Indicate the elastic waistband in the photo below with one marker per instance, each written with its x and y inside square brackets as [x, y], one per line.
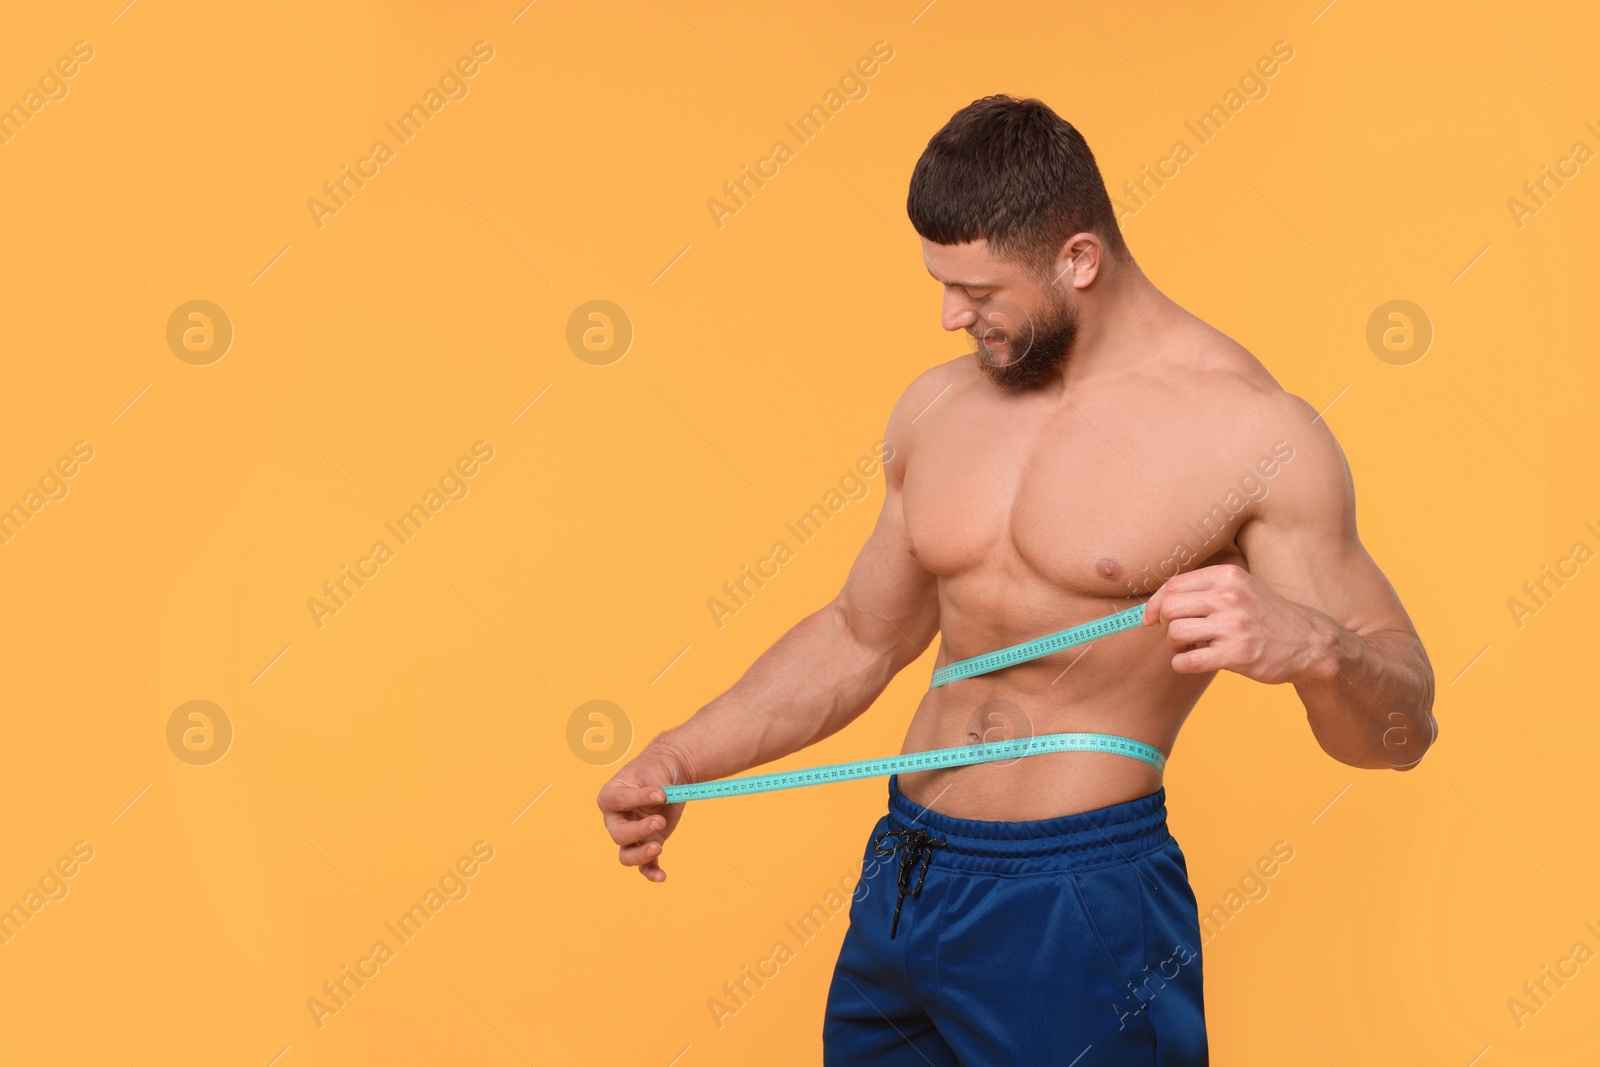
[1086, 839]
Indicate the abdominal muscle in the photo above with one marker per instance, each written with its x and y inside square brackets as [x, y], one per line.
[1120, 684]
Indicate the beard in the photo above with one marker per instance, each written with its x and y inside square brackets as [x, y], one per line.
[1031, 348]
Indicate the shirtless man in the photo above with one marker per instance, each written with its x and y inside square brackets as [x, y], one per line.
[1101, 447]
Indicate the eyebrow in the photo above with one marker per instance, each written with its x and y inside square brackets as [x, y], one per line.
[964, 285]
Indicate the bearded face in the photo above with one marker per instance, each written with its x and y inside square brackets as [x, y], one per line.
[1018, 351]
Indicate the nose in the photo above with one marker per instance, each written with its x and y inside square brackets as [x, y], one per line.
[957, 312]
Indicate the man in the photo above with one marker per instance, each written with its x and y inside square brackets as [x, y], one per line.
[1101, 446]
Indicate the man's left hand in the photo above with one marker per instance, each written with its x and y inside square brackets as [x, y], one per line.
[1225, 618]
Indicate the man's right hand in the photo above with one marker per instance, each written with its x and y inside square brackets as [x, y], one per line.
[636, 813]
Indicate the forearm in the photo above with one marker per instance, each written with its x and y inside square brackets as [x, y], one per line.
[1369, 698]
[812, 682]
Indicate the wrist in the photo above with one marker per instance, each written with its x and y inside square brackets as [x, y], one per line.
[680, 766]
[1331, 653]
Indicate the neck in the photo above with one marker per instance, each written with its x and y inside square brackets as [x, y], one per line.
[1122, 315]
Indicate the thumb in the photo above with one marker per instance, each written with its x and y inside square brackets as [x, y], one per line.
[1152, 608]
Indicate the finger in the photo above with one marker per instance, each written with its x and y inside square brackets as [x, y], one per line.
[1152, 608]
[626, 831]
[1185, 632]
[634, 855]
[1183, 582]
[622, 826]
[653, 871]
[1198, 579]
[1187, 605]
[1198, 661]
[620, 796]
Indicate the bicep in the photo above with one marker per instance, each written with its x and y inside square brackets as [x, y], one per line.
[1303, 543]
[889, 601]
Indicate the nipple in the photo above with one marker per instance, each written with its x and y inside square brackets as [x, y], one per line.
[1108, 567]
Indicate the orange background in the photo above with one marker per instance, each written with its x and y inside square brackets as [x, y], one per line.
[431, 712]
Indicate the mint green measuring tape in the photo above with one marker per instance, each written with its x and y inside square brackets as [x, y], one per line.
[1043, 646]
[963, 755]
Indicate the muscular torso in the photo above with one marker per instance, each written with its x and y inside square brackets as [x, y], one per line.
[1038, 511]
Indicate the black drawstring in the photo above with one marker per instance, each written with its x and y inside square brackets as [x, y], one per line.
[917, 845]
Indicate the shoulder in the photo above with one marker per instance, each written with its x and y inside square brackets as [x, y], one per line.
[934, 385]
[1315, 484]
[1229, 374]
[937, 386]
[1319, 489]
[1266, 425]
[1239, 385]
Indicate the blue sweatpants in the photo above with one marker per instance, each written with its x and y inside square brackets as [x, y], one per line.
[1071, 941]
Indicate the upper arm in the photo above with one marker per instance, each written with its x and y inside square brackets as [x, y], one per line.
[889, 600]
[1301, 539]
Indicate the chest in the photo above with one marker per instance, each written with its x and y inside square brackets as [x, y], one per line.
[1087, 503]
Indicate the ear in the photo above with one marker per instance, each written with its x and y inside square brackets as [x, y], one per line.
[1078, 262]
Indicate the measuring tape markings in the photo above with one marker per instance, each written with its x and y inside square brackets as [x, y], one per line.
[965, 754]
[920, 761]
[1043, 646]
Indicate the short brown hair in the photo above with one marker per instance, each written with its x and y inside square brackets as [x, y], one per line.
[1015, 174]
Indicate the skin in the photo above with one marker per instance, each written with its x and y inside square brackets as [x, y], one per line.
[1159, 461]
